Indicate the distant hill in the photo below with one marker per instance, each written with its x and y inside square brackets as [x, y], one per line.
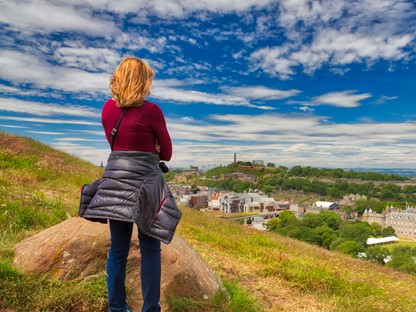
[262, 271]
[314, 172]
[403, 172]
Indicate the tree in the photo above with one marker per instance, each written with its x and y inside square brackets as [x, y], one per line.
[335, 243]
[355, 231]
[327, 234]
[312, 220]
[302, 233]
[403, 259]
[376, 229]
[287, 217]
[350, 247]
[332, 219]
[296, 171]
[388, 231]
[273, 224]
[271, 165]
[377, 254]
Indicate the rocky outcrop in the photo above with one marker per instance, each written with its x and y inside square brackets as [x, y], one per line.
[77, 249]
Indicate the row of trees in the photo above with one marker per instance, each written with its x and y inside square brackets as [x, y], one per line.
[307, 172]
[328, 230]
[386, 192]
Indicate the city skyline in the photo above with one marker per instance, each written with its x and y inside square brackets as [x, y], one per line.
[320, 84]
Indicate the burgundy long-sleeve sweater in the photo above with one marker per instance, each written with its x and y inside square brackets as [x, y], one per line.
[139, 130]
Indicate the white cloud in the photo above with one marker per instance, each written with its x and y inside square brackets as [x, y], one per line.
[384, 98]
[13, 126]
[341, 99]
[132, 41]
[183, 8]
[46, 132]
[191, 96]
[49, 17]
[23, 68]
[51, 121]
[41, 109]
[260, 92]
[91, 59]
[74, 139]
[338, 33]
[86, 152]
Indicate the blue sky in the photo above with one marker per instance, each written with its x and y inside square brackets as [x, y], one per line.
[294, 82]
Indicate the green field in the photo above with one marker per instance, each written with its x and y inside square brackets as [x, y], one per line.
[403, 242]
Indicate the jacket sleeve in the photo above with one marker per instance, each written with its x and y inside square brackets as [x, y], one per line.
[158, 212]
[87, 193]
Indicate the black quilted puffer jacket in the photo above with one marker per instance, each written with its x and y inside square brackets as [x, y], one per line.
[132, 189]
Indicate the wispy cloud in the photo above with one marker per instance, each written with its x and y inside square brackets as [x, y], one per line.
[192, 96]
[292, 140]
[260, 92]
[41, 109]
[23, 68]
[51, 121]
[46, 132]
[337, 33]
[46, 16]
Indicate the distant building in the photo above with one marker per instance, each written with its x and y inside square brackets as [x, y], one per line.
[185, 174]
[214, 203]
[326, 205]
[402, 221]
[350, 199]
[199, 200]
[232, 202]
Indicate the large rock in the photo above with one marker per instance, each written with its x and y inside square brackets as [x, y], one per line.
[77, 248]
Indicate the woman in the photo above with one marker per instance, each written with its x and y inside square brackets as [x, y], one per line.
[132, 189]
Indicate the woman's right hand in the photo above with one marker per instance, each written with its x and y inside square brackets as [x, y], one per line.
[157, 148]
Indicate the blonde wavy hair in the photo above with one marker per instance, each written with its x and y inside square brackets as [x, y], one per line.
[131, 82]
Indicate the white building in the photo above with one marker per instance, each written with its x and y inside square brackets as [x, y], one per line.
[372, 241]
[248, 202]
[214, 202]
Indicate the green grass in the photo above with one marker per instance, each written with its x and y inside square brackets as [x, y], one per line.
[411, 244]
[29, 292]
[231, 299]
[240, 301]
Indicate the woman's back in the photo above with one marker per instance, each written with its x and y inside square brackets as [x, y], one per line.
[141, 127]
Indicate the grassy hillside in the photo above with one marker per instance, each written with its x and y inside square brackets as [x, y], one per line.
[39, 187]
[262, 271]
[289, 275]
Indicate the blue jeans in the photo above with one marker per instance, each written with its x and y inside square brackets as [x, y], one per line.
[150, 269]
